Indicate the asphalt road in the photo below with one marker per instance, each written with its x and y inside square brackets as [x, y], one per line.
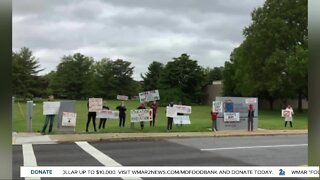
[288, 150]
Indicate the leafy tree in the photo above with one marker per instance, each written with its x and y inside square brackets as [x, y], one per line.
[183, 79]
[214, 74]
[263, 64]
[25, 68]
[151, 78]
[73, 78]
[114, 78]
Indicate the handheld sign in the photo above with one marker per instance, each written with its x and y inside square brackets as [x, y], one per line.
[122, 97]
[181, 120]
[148, 96]
[108, 114]
[50, 108]
[171, 112]
[183, 109]
[95, 104]
[138, 115]
[251, 100]
[286, 113]
[217, 106]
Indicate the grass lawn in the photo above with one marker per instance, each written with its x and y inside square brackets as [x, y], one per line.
[200, 119]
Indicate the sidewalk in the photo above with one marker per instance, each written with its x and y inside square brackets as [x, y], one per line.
[37, 138]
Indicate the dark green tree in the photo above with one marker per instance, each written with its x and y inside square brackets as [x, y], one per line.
[73, 78]
[151, 78]
[25, 69]
[262, 64]
[181, 80]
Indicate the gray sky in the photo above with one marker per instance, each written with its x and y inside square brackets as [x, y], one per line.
[139, 31]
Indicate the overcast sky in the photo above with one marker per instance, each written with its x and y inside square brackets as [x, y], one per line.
[139, 31]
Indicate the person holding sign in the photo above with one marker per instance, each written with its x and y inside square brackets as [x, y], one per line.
[122, 114]
[154, 107]
[142, 122]
[103, 120]
[288, 118]
[250, 117]
[214, 116]
[91, 115]
[170, 119]
[49, 118]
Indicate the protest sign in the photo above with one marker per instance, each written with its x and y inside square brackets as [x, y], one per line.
[217, 106]
[149, 96]
[122, 97]
[181, 120]
[251, 100]
[141, 115]
[50, 108]
[108, 114]
[228, 117]
[95, 104]
[183, 109]
[171, 112]
[286, 113]
[69, 119]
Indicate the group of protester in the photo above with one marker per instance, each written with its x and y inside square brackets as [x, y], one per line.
[214, 116]
[122, 115]
[153, 105]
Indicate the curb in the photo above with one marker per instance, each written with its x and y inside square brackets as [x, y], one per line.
[21, 138]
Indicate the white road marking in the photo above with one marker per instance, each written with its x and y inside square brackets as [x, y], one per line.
[253, 147]
[101, 157]
[29, 159]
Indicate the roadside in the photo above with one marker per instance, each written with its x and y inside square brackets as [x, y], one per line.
[37, 138]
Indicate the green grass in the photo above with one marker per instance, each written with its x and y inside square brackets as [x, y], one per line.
[200, 119]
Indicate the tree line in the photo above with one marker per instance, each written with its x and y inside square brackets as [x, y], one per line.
[78, 77]
[272, 61]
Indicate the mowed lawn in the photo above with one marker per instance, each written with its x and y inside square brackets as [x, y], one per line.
[200, 119]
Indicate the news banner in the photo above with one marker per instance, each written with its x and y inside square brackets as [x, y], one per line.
[170, 171]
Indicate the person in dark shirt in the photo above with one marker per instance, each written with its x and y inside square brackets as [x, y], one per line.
[122, 114]
[250, 117]
[91, 115]
[103, 120]
[154, 107]
[141, 122]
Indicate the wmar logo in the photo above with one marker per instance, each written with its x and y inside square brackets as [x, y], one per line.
[282, 172]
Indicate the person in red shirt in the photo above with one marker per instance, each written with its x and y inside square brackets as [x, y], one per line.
[154, 107]
[214, 116]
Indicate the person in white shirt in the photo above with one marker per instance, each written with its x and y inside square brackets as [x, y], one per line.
[288, 118]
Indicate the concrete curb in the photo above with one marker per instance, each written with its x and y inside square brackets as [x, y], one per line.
[36, 138]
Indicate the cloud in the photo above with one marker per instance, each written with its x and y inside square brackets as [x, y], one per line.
[139, 31]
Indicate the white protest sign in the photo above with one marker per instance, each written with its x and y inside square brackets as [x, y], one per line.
[149, 96]
[95, 104]
[122, 97]
[108, 114]
[251, 100]
[217, 106]
[51, 108]
[181, 120]
[141, 115]
[171, 112]
[69, 119]
[183, 109]
[231, 117]
[286, 113]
